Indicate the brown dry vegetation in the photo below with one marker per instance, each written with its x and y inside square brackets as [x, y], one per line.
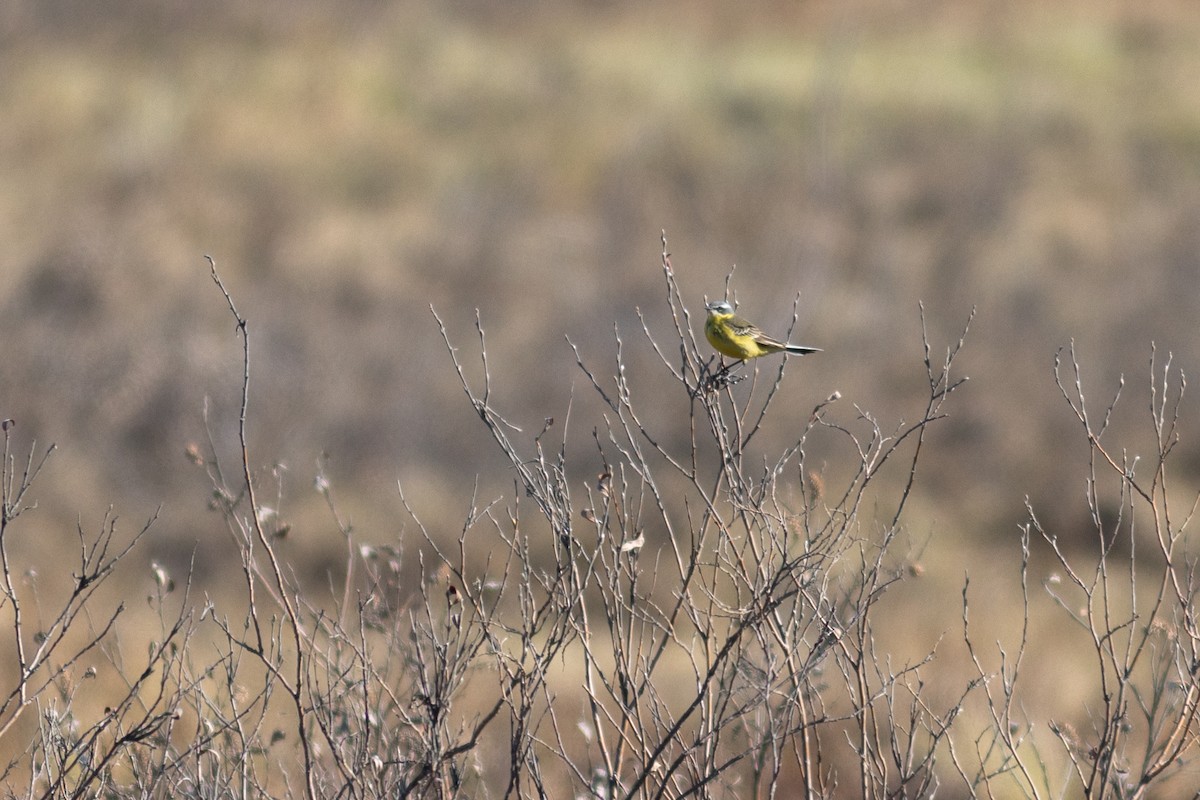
[348, 167]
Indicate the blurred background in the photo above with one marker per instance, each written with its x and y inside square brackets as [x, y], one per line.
[349, 165]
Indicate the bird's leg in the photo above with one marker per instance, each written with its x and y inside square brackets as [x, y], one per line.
[722, 376]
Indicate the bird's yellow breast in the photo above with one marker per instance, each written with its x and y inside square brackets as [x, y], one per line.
[726, 339]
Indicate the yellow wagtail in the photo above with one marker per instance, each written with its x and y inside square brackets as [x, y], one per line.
[733, 336]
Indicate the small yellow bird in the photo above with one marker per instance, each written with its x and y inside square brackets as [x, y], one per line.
[733, 336]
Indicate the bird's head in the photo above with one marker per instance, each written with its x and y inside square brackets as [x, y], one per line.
[719, 307]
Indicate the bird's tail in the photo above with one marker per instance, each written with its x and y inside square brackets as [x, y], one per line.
[800, 350]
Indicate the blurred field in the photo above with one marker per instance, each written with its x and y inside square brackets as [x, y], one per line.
[349, 166]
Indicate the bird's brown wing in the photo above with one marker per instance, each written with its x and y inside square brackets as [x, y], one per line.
[743, 327]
